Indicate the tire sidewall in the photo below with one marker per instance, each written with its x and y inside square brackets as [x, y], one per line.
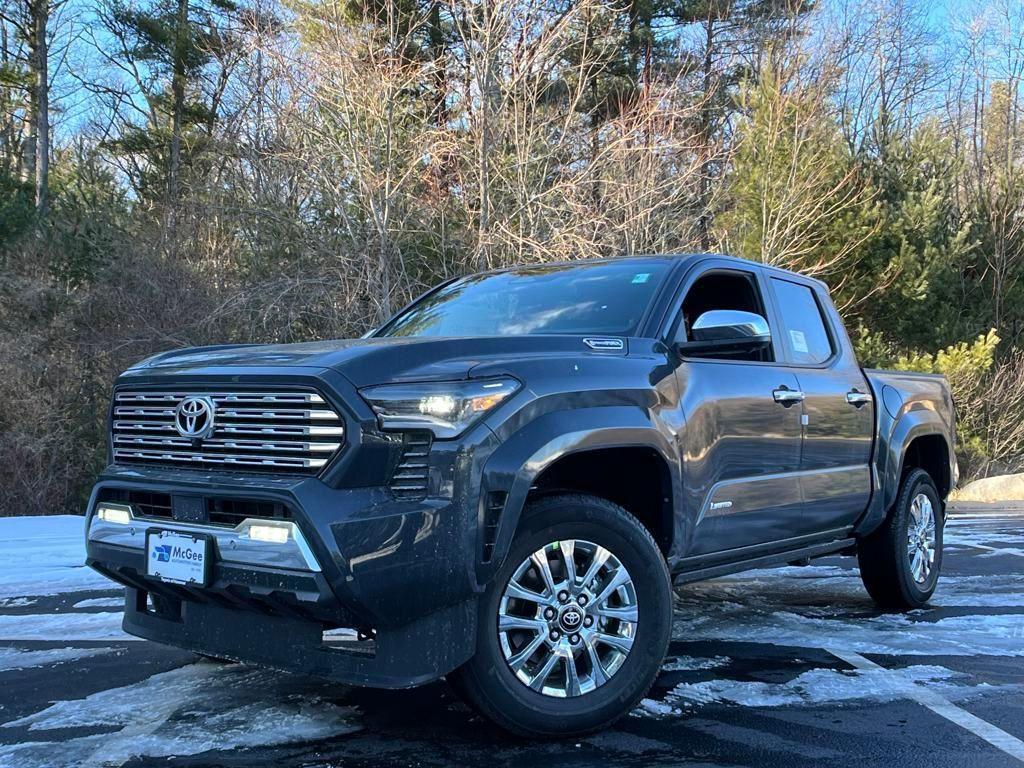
[621, 535]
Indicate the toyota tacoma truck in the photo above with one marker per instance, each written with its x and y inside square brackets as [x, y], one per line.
[502, 484]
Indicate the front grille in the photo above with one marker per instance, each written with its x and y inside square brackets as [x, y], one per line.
[279, 431]
[210, 510]
[145, 503]
[413, 470]
[233, 511]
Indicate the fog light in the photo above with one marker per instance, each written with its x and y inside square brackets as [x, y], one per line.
[274, 534]
[120, 515]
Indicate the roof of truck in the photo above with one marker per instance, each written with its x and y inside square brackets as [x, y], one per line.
[691, 257]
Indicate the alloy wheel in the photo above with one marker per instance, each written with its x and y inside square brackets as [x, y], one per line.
[568, 618]
[921, 538]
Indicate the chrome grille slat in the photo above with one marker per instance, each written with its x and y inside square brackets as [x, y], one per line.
[236, 413]
[286, 431]
[203, 458]
[227, 397]
[241, 444]
[233, 428]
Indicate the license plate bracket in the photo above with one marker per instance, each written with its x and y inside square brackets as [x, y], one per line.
[178, 557]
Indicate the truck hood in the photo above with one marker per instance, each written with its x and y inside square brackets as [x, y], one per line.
[365, 362]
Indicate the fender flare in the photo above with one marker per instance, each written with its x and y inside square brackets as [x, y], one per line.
[887, 469]
[523, 456]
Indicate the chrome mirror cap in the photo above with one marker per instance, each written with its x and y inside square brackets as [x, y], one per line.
[730, 324]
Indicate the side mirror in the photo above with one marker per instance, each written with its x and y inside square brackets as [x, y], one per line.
[727, 330]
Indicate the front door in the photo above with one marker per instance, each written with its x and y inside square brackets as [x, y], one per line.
[741, 442]
[741, 455]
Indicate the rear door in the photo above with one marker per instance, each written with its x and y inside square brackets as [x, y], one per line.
[838, 412]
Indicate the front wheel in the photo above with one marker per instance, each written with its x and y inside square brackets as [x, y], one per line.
[900, 562]
[574, 627]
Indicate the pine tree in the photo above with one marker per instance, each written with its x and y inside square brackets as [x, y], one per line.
[172, 42]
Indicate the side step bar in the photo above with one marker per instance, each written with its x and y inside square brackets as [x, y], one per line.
[814, 550]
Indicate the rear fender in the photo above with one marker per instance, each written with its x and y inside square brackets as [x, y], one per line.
[890, 451]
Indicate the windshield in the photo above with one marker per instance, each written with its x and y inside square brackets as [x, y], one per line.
[602, 297]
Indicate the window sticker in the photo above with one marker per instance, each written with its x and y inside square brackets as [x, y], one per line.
[641, 277]
[799, 341]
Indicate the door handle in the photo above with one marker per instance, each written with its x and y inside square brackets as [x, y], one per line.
[857, 399]
[787, 396]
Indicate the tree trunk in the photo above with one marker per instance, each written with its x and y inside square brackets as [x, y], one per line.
[40, 62]
[7, 143]
[703, 223]
[31, 125]
[178, 104]
[484, 149]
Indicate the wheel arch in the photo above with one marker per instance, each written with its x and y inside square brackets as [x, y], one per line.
[918, 439]
[929, 451]
[577, 451]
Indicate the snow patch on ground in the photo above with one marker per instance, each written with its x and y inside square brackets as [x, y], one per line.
[977, 635]
[1003, 551]
[827, 607]
[693, 663]
[68, 627]
[12, 658]
[970, 532]
[814, 688]
[186, 711]
[101, 602]
[827, 590]
[45, 556]
[16, 602]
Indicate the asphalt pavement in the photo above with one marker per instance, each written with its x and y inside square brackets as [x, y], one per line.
[789, 667]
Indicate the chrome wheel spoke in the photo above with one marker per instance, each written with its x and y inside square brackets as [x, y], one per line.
[520, 592]
[509, 623]
[597, 674]
[540, 559]
[598, 559]
[568, 550]
[618, 642]
[572, 676]
[516, 662]
[540, 677]
[916, 567]
[626, 613]
[620, 577]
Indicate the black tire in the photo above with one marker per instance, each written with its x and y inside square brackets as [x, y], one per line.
[486, 680]
[885, 565]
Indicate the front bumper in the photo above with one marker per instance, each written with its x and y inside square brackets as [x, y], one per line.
[398, 571]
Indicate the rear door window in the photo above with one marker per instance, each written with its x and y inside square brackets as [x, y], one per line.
[804, 334]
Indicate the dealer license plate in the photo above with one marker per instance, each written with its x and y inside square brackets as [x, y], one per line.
[180, 558]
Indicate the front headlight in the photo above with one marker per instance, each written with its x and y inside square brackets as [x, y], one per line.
[446, 408]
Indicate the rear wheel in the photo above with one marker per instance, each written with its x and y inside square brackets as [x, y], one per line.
[574, 628]
[900, 562]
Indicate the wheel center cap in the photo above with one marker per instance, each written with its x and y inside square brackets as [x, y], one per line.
[570, 618]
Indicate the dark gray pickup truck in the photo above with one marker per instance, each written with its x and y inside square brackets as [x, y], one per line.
[502, 483]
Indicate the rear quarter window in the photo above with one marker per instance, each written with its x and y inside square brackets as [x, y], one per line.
[804, 334]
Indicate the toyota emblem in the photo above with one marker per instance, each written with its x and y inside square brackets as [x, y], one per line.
[194, 417]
